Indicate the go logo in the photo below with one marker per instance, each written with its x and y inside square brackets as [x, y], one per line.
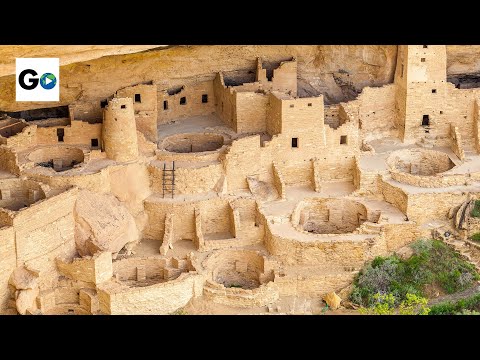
[31, 86]
[47, 80]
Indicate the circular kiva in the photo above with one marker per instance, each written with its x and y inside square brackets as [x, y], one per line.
[193, 143]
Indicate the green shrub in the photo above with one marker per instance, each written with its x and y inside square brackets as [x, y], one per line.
[433, 262]
[467, 312]
[385, 305]
[471, 303]
[476, 237]
[476, 209]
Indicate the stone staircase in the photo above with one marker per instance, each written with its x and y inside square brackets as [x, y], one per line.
[370, 228]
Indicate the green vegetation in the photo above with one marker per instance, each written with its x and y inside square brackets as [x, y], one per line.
[433, 263]
[476, 209]
[180, 311]
[385, 305]
[476, 237]
[470, 306]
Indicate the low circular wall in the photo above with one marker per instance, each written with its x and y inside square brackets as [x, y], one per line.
[423, 168]
[240, 278]
[60, 158]
[193, 142]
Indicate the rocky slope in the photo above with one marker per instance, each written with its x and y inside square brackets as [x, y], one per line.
[338, 71]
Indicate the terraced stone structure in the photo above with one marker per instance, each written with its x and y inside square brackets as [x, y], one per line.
[234, 193]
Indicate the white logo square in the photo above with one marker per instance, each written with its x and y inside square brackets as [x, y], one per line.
[37, 79]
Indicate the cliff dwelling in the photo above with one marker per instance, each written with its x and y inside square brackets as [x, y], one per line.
[243, 190]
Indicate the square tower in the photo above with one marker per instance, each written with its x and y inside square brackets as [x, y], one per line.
[421, 82]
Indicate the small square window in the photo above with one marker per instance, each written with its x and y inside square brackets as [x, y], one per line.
[138, 98]
[425, 120]
[294, 142]
[343, 140]
[165, 105]
[123, 106]
[94, 142]
[309, 104]
[425, 46]
[183, 100]
[434, 91]
[422, 59]
[103, 103]
[291, 105]
[441, 112]
[204, 98]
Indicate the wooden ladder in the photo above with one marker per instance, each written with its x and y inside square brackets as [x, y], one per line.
[168, 183]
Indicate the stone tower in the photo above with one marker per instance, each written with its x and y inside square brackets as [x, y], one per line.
[421, 90]
[119, 130]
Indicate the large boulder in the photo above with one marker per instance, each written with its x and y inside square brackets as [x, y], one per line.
[332, 300]
[102, 223]
[26, 288]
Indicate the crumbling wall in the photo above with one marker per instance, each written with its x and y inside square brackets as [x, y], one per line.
[145, 101]
[92, 269]
[274, 115]
[78, 132]
[186, 102]
[214, 215]
[188, 180]
[476, 127]
[225, 101]
[457, 147]
[284, 76]
[393, 195]
[16, 193]
[342, 250]
[423, 207]
[7, 263]
[24, 139]
[91, 112]
[9, 160]
[246, 158]
[45, 231]
[163, 298]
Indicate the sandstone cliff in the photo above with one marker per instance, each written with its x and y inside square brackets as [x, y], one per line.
[337, 71]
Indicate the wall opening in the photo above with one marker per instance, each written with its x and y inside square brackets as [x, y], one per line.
[422, 59]
[204, 98]
[426, 120]
[41, 114]
[294, 142]
[291, 105]
[138, 98]
[94, 143]
[165, 105]
[425, 46]
[183, 100]
[343, 140]
[401, 74]
[434, 91]
[60, 134]
[269, 74]
[123, 106]
[103, 103]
